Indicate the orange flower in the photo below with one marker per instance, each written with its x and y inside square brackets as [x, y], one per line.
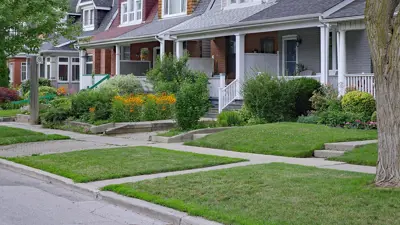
[92, 109]
[61, 91]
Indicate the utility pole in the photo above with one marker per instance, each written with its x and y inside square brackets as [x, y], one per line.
[34, 91]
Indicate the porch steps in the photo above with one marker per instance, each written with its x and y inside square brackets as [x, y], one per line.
[339, 148]
[213, 111]
[327, 153]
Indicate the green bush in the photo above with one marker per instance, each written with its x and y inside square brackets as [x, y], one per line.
[123, 85]
[269, 98]
[43, 91]
[57, 112]
[359, 102]
[313, 119]
[150, 110]
[303, 91]
[229, 119]
[245, 113]
[326, 98]
[25, 86]
[374, 117]
[99, 101]
[170, 73]
[192, 101]
[336, 118]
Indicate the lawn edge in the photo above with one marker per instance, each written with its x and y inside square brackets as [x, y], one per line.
[143, 207]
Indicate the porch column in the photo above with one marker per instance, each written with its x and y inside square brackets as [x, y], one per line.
[82, 68]
[117, 60]
[162, 48]
[334, 50]
[324, 54]
[342, 63]
[179, 49]
[239, 63]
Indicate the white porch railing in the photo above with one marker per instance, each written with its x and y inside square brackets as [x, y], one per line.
[227, 94]
[213, 86]
[361, 82]
[316, 77]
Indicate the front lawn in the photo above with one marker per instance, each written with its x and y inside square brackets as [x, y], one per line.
[285, 139]
[274, 193]
[9, 112]
[103, 164]
[366, 155]
[10, 135]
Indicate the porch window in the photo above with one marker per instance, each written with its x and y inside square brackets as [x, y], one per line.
[89, 64]
[290, 55]
[24, 71]
[75, 69]
[48, 68]
[267, 45]
[125, 53]
[174, 7]
[131, 12]
[88, 19]
[63, 63]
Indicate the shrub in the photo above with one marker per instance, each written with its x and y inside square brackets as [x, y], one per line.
[8, 95]
[229, 119]
[269, 98]
[374, 117]
[359, 102]
[303, 91]
[245, 113]
[57, 112]
[126, 108]
[326, 98]
[313, 119]
[170, 73]
[336, 118]
[123, 85]
[25, 86]
[192, 101]
[43, 91]
[84, 102]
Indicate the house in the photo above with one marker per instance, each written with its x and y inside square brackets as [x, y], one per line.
[232, 40]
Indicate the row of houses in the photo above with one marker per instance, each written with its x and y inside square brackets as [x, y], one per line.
[229, 40]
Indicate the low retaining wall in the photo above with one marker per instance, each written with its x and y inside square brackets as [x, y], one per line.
[22, 118]
[187, 136]
[137, 127]
[7, 119]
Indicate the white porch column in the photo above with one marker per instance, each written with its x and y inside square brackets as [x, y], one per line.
[117, 60]
[239, 47]
[162, 48]
[334, 50]
[342, 63]
[324, 54]
[179, 49]
[82, 68]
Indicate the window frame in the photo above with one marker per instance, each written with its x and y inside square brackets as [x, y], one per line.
[72, 69]
[90, 25]
[181, 13]
[130, 10]
[122, 51]
[89, 62]
[47, 73]
[26, 71]
[68, 69]
[284, 39]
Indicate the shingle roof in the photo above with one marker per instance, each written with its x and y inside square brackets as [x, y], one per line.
[48, 46]
[159, 25]
[103, 3]
[355, 8]
[286, 8]
[72, 6]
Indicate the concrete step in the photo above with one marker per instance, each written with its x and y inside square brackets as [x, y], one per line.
[348, 146]
[198, 136]
[327, 153]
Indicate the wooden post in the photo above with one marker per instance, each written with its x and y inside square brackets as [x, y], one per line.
[34, 91]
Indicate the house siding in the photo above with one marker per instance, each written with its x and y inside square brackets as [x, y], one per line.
[358, 52]
[309, 49]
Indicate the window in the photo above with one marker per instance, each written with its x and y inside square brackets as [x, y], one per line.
[41, 71]
[290, 55]
[63, 63]
[267, 45]
[174, 7]
[131, 12]
[75, 69]
[48, 69]
[24, 71]
[88, 19]
[89, 64]
[125, 53]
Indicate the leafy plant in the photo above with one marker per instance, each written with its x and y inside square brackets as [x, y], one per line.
[336, 118]
[25, 86]
[8, 95]
[313, 119]
[229, 119]
[359, 102]
[123, 85]
[43, 91]
[325, 98]
[57, 112]
[303, 91]
[374, 117]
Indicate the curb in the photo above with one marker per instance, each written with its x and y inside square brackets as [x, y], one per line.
[140, 206]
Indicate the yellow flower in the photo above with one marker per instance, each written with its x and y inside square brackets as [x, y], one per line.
[92, 109]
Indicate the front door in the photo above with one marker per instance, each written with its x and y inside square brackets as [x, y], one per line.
[290, 57]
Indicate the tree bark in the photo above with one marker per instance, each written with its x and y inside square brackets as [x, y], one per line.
[384, 38]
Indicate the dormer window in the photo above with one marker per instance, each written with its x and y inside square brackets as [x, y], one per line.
[88, 19]
[174, 7]
[241, 3]
[131, 12]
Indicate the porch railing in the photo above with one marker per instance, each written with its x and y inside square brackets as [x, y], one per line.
[361, 82]
[227, 94]
[316, 77]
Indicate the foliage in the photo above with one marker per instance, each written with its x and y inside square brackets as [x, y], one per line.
[192, 101]
[229, 119]
[303, 91]
[90, 105]
[43, 91]
[359, 102]
[325, 98]
[245, 113]
[9, 112]
[374, 117]
[126, 108]
[57, 112]
[336, 118]
[8, 95]
[170, 73]
[61, 91]
[4, 75]
[123, 85]
[269, 98]
[313, 119]
[26, 85]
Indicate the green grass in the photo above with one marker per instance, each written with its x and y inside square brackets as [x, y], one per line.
[10, 135]
[272, 194]
[171, 133]
[285, 139]
[9, 112]
[366, 155]
[102, 164]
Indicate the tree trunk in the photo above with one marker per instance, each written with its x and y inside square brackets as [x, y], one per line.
[383, 28]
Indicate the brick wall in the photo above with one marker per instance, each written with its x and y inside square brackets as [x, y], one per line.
[17, 70]
[253, 41]
[105, 61]
[169, 47]
[96, 60]
[218, 50]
